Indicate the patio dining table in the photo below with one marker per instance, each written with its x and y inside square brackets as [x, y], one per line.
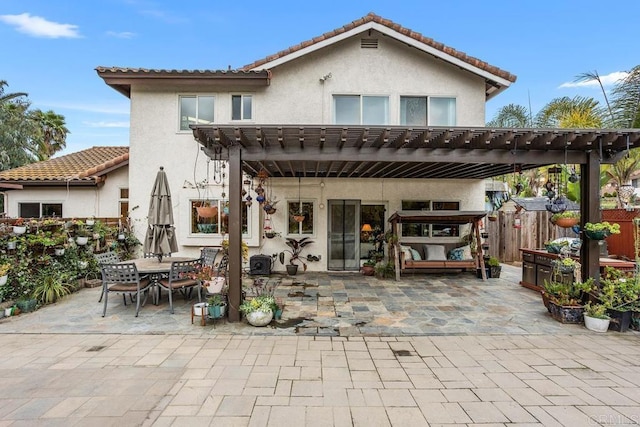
[155, 269]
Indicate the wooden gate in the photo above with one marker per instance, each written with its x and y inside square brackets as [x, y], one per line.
[505, 240]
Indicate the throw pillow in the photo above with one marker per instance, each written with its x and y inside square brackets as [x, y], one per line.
[406, 251]
[434, 253]
[466, 252]
[455, 254]
[415, 255]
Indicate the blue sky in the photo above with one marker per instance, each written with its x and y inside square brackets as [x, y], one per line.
[51, 48]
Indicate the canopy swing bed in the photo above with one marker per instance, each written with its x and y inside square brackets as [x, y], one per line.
[436, 256]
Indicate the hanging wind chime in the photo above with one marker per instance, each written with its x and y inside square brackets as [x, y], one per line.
[517, 220]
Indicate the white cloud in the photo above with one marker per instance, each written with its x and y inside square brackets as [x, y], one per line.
[107, 124]
[607, 80]
[105, 109]
[40, 27]
[121, 34]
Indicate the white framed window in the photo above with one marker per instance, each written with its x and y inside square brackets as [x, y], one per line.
[241, 107]
[360, 110]
[441, 111]
[301, 215]
[39, 210]
[429, 229]
[196, 109]
[214, 219]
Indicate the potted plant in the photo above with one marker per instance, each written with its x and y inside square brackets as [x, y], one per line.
[619, 291]
[82, 234]
[494, 267]
[564, 265]
[600, 230]
[209, 277]
[296, 246]
[555, 247]
[4, 273]
[493, 216]
[19, 227]
[566, 219]
[385, 270]
[368, 268]
[595, 317]
[259, 310]
[564, 299]
[216, 306]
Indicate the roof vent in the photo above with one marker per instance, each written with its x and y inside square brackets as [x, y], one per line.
[369, 43]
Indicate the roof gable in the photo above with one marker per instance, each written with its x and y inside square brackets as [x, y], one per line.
[81, 168]
[496, 79]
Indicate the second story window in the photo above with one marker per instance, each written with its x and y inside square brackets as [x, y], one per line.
[440, 111]
[241, 107]
[360, 110]
[196, 109]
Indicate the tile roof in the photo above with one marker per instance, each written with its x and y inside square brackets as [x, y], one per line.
[80, 167]
[371, 17]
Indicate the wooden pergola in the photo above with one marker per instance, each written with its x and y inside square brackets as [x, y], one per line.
[334, 151]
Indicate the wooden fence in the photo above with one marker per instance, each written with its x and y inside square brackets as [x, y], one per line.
[505, 241]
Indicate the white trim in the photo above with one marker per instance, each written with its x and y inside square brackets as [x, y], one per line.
[396, 35]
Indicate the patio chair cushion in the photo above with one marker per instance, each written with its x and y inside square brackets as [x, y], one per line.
[128, 287]
[177, 284]
[415, 255]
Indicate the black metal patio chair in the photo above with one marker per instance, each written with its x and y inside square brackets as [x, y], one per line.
[124, 279]
[179, 280]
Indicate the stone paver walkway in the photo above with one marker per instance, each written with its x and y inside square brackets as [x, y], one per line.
[351, 350]
[241, 380]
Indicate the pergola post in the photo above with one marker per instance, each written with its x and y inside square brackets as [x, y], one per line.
[235, 232]
[590, 212]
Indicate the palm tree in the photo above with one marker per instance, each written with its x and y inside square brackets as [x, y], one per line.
[626, 99]
[51, 135]
[6, 97]
[620, 173]
[512, 116]
[565, 112]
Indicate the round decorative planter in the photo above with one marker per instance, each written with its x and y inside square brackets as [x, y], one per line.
[259, 318]
[19, 229]
[199, 308]
[597, 235]
[59, 251]
[82, 240]
[566, 222]
[27, 305]
[91, 222]
[3, 279]
[214, 286]
[218, 311]
[367, 270]
[207, 211]
[595, 324]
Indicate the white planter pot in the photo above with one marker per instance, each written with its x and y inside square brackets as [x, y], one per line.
[11, 245]
[8, 311]
[595, 324]
[215, 285]
[3, 279]
[199, 308]
[81, 240]
[259, 318]
[90, 222]
[59, 251]
[120, 236]
[19, 229]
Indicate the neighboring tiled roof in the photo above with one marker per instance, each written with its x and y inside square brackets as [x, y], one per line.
[82, 166]
[152, 72]
[540, 203]
[371, 17]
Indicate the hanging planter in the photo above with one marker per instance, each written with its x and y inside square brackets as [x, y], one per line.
[207, 211]
[19, 229]
[566, 219]
[298, 218]
[600, 230]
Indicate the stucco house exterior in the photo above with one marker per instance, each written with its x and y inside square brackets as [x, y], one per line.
[371, 72]
[91, 182]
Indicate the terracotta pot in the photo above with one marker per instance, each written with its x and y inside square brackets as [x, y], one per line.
[207, 211]
[566, 222]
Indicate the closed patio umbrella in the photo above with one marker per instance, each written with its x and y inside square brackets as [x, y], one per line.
[161, 238]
